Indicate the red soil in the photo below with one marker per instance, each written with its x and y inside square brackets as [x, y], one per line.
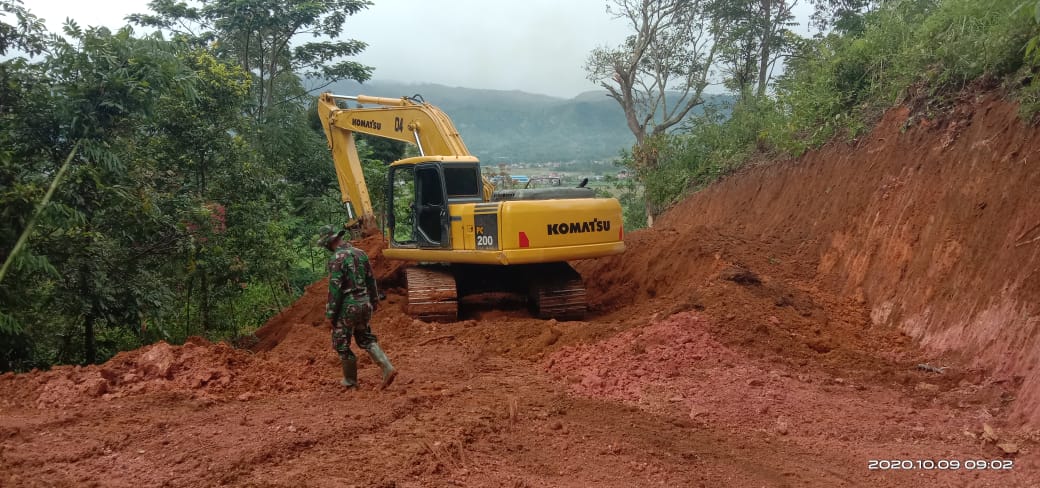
[767, 332]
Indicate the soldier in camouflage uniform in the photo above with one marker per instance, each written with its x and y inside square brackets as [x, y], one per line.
[353, 299]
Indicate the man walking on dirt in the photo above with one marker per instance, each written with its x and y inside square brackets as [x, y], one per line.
[353, 299]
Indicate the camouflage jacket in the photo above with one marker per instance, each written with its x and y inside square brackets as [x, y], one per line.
[351, 280]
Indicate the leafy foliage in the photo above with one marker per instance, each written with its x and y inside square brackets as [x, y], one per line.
[843, 16]
[24, 34]
[909, 49]
[259, 36]
[753, 36]
[151, 200]
[918, 51]
[101, 85]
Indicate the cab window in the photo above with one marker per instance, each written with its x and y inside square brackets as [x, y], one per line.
[462, 180]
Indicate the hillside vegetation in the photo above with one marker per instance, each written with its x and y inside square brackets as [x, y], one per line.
[924, 53]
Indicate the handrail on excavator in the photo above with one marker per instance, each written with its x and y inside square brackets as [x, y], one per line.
[393, 102]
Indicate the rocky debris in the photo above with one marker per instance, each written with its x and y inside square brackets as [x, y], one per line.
[926, 387]
[157, 361]
[989, 434]
[1008, 447]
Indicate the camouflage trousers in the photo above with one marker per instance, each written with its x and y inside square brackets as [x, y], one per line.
[353, 321]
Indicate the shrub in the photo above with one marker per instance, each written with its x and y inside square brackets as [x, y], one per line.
[838, 85]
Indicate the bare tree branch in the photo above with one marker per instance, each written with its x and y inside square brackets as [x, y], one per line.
[659, 73]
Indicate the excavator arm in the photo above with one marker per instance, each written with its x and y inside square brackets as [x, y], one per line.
[402, 119]
[467, 237]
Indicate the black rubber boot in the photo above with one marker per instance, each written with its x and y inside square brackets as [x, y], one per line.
[349, 373]
[389, 373]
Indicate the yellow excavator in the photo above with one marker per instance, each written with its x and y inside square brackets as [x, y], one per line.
[466, 237]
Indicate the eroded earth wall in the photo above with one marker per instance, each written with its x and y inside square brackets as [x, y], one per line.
[933, 225]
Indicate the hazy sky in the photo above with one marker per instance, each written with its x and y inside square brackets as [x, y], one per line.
[537, 46]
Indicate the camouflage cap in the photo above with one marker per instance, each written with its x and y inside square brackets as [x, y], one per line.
[327, 234]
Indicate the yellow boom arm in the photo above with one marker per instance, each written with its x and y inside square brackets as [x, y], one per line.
[401, 119]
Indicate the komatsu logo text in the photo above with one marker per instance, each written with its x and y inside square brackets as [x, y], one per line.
[594, 225]
[368, 124]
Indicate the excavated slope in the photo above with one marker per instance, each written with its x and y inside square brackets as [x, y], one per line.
[932, 225]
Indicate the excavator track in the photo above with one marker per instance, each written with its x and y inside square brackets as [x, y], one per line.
[432, 296]
[559, 294]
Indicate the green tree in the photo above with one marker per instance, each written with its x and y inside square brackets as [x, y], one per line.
[658, 75]
[196, 143]
[22, 186]
[754, 35]
[73, 136]
[163, 204]
[843, 16]
[260, 36]
[20, 29]
[263, 37]
[384, 150]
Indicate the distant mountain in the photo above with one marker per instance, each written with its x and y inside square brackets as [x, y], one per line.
[513, 126]
[592, 96]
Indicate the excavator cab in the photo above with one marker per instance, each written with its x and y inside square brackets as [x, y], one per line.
[422, 192]
[431, 207]
[420, 211]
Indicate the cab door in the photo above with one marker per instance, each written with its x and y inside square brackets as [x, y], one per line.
[432, 221]
[400, 204]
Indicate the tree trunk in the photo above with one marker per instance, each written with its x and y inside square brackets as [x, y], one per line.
[89, 318]
[763, 58]
[86, 274]
[232, 319]
[646, 202]
[646, 159]
[89, 343]
[204, 282]
[273, 285]
[187, 306]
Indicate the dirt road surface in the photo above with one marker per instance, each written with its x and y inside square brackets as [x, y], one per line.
[723, 349]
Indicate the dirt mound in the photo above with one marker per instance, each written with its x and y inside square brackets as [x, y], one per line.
[926, 227]
[626, 365]
[310, 308]
[198, 368]
[388, 273]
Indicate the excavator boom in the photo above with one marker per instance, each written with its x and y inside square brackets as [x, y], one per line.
[401, 119]
[441, 209]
